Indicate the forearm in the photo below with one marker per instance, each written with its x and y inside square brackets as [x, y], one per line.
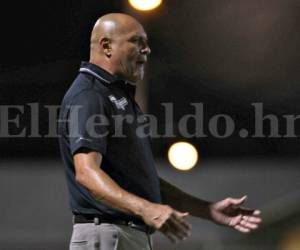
[182, 201]
[106, 190]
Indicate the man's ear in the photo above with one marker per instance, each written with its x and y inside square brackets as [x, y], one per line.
[105, 44]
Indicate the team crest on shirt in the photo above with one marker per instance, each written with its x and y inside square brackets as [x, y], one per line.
[120, 104]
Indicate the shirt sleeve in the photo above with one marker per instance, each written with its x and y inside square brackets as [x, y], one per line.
[88, 122]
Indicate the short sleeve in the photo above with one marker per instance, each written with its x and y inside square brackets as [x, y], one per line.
[88, 122]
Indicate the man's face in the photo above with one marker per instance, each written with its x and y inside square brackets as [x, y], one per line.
[129, 54]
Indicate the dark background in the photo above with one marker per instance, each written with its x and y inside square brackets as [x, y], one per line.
[225, 54]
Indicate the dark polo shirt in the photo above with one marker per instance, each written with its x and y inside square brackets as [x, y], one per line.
[99, 113]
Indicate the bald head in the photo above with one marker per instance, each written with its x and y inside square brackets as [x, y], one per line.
[112, 26]
[118, 40]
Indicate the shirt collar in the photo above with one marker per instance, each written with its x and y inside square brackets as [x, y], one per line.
[106, 77]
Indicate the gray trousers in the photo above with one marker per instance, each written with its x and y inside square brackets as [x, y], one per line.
[89, 236]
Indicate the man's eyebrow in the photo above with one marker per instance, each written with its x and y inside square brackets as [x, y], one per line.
[145, 38]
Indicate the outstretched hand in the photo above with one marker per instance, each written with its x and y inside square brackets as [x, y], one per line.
[229, 212]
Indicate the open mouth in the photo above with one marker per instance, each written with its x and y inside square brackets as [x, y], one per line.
[141, 62]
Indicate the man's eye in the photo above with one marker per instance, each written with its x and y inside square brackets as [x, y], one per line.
[135, 40]
[139, 41]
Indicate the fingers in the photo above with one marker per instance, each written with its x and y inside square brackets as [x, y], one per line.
[242, 229]
[182, 226]
[235, 221]
[245, 227]
[256, 212]
[178, 230]
[229, 212]
[166, 230]
[238, 202]
[175, 228]
[248, 211]
[229, 203]
[180, 217]
[252, 219]
[172, 233]
[246, 223]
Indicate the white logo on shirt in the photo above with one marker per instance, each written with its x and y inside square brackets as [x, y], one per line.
[84, 139]
[120, 104]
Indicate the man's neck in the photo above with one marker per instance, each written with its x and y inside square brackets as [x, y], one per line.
[102, 64]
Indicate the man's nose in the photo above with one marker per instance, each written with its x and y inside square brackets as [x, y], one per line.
[146, 50]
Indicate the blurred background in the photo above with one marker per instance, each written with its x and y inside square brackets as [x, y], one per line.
[225, 54]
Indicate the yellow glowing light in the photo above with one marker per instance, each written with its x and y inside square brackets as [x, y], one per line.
[183, 155]
[291, 240]
[145, 4]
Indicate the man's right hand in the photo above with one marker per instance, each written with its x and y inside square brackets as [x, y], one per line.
[167, 220]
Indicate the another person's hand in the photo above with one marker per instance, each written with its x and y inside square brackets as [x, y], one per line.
[168, 221]
[229, 212]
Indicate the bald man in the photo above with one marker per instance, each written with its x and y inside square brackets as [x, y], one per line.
[116, 195]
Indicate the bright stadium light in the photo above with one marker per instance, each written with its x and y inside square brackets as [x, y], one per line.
[291, 240]
[145, 5]
[183, 156]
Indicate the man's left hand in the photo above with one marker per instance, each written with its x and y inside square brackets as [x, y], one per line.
[229, 212]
